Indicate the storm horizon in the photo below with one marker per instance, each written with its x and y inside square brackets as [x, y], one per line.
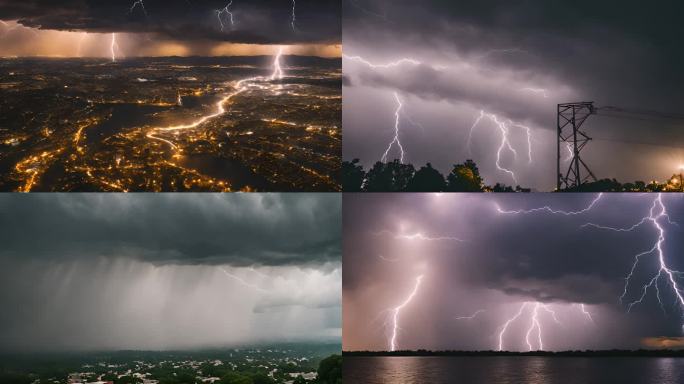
[169, 272]
[533, 272]
[440, 82]
[86, 29]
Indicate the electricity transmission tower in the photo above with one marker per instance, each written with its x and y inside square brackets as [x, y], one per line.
[571, 116]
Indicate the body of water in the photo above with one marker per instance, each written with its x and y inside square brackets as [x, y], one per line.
[513, 370]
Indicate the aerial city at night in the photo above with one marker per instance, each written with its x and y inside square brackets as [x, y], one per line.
[221, 102]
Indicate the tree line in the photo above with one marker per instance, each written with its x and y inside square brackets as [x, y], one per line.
[396, 176]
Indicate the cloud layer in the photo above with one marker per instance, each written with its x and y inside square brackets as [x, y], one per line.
[518, 61]
[257, 22]
[500, 261]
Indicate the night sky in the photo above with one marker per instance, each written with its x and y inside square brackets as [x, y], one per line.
[177, 27]
[84, 272]
[479, 257]
[515, 60]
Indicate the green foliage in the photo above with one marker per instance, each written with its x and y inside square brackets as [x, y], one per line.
[15, 378]
[236, 378]
[330, 370]
[127, 380]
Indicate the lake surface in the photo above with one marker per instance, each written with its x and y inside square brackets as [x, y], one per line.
[513, 370]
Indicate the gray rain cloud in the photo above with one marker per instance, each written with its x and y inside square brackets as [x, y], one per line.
[104, 271]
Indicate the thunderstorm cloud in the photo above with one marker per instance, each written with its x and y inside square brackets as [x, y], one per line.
[101, 271]
[516, 60]
[476, 258]
[255, 22]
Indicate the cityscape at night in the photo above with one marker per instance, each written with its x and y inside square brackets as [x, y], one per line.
[220, 108]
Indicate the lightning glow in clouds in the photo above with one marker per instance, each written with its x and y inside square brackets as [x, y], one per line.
[511, 272]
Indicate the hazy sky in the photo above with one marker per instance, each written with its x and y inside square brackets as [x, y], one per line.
[517, 61]
[164, 28]
[477, 260]
[107, 271]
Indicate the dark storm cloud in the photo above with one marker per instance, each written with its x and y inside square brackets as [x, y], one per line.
[240, 230]
[259, 22]
[492, 55]
[504, 259]
[617, 51]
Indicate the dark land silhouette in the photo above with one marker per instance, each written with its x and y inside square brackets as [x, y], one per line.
[585, 353]
[395, 176]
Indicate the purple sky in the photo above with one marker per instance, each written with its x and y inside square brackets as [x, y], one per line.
[515, 62]
[474, 259]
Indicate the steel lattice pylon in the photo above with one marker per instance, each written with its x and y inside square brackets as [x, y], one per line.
[571, 116]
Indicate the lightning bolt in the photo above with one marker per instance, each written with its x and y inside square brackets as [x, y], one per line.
[397, 113]
[136, 4]
[391, 64]
[658, 217]
[294, 16]
[471, 317]
[535, 326]
[508, 322]
[225, 10]
[114, 47]
[553, 211]
[504, 129]
[418, 236]
[503, 125]
[242, 281]
[277, 69]
[397, 310]
[585, 312]
[540, 91]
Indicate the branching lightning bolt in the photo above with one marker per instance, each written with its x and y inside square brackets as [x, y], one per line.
[658, 217]
[586, 313]
[553, 211]
[136, 4]
[540, 91]
[397, 114]
[277, 69]
[504, 129]
[220, 15]
[397, 310]
[418, 236]
[391, 64]
[114, 47]
[242, 281]
[294, 16]
[471, 317]
[508, 322]
[535, 326]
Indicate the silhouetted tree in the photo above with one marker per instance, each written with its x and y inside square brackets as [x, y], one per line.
[330, 370]
[465, 178]
[352, 176]
[502, 188]
[389, 177]
[427, 179]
